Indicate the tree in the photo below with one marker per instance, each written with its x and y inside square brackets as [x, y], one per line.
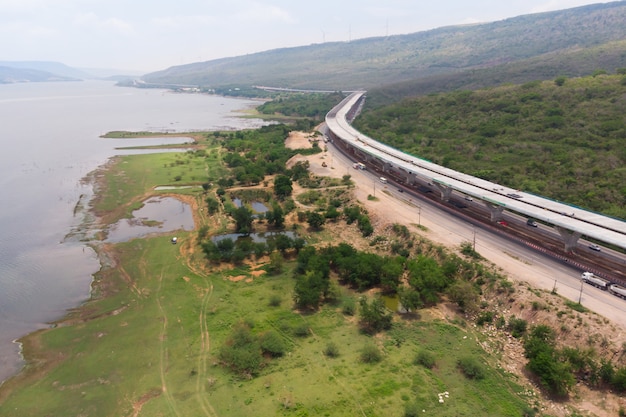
[309, 289]
[315, 220]
[243, 219]
[374, 316]
[283, 242]
[242, 351]
[410, 299]
[282, 186]
[275, 216]
[276, 263]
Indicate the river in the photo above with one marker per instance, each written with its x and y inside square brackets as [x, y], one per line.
[50, 137]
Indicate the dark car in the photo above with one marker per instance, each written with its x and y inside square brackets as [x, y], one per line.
[531, 223]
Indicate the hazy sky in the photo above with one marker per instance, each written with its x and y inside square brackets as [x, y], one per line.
[148, 35]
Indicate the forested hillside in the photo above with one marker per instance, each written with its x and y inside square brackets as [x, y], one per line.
[454, 53]
[564, 138]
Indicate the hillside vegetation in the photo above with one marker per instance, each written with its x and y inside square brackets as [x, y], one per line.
[562, 139]
[456, 51]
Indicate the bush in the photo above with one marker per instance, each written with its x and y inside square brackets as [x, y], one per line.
[301, 330]
[412, 410]
[370, 354]
[273, 344]
[425, 358]
[275, 300]
[349, 306]
[485, 317]
[471, 368]
[332, 350]
[517, 327]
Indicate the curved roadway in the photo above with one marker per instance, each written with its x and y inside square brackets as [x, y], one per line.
[569, 218]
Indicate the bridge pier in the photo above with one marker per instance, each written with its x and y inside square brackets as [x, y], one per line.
[570, 238]
[446, 192]
[494, 211]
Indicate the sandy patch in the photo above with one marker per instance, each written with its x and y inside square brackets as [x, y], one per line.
[237, 278]
[300, 140]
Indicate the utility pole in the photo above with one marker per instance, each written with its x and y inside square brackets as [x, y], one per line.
[474, 240]
[419, 216]
[580, 297]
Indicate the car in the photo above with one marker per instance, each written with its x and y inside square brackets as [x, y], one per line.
[512, 195]
[595, 247]
[502, 223]
[531, 223]
[468, 198]
[400, 190]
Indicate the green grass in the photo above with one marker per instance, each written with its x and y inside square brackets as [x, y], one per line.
[112, 362]
[151, 345]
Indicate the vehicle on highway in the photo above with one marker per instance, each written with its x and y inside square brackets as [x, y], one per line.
[531, 223]
[595, 247]
[400, 190]
[383, 180]
[596, 281]
[503, 223]
[468, 198]
[617, 290]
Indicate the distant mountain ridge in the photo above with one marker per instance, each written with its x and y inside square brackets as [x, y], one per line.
[10, 75]
[371, 62]
[46, 71]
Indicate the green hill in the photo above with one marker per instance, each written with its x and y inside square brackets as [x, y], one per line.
[563, 138]
[529, 46]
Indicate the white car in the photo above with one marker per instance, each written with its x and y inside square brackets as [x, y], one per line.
[595, 247]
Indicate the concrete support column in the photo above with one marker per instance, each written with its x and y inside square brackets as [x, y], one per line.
[495, 211]
[386, 166]
[446, 192]
[569, 238]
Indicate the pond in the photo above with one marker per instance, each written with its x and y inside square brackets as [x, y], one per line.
[158, 215]
[257, 206]
[255, 237]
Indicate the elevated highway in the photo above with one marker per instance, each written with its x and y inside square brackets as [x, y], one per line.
[571, 222]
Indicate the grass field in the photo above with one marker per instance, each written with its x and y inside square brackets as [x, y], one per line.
[148, 342]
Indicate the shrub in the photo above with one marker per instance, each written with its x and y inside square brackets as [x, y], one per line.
[485, 317]
[275, 300]
[412, 410]
[273, 344]
[425, 358]
[301, 330]
[331, 350]
[517, 327]
[471, 368]
[370, 354]
[349, 306]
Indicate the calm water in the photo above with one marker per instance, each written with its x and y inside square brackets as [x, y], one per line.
[49, 134]
[169, 214]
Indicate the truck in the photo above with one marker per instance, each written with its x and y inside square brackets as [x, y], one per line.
[617, 290]
[596, 281]
[358, 165]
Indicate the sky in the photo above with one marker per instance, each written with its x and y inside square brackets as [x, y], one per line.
[151, 35]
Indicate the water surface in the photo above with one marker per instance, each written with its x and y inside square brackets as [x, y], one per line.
[50, 137]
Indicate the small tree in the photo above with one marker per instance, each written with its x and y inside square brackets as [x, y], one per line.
[243, 219]
[282, 186]
[315, 220]
[374, 316]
